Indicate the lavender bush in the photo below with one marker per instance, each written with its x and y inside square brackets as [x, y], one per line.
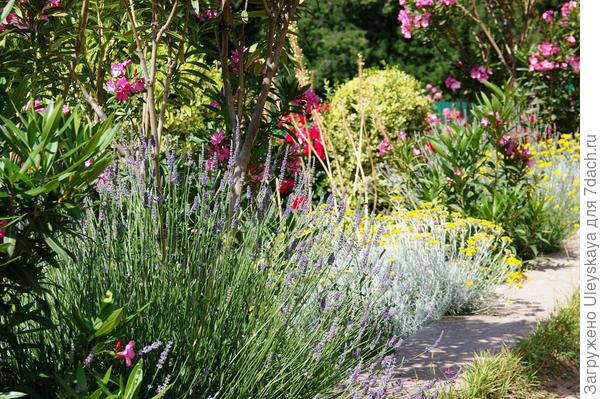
[244, 293]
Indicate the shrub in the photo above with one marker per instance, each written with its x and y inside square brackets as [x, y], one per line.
[451, 260]
[238, 293]
[50, 156]
[487, 169]
[371, 107]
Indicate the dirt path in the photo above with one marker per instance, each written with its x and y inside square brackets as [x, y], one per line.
[514, 316]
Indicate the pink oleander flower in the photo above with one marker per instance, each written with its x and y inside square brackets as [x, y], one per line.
[481, 73]
[438, 96]
[110, 86]
[118, 69]
[384, 147]
[548, 16]
[565, 9]
[215, 104]
[128, 354]
[485, 122]
[401, 135]
[451, 114]
[432, 118]
[217, 137]
[138, 85]
[571, 40]
[422, 20]
[406, 23]
[452, 83]
[416, 152]
[423, 3]
[53, 3]
[448, 2]
[65, 109]
[574, 62]
[88, 163]
[457, 172]
[548, 49]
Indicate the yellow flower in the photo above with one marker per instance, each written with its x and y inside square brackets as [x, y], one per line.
[512, 261]
[469, 283]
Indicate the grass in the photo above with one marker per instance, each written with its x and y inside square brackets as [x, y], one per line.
[550, 353]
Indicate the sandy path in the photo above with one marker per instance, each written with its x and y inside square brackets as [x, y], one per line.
[515, 315]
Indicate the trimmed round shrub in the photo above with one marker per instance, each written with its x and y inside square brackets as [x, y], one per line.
[389, 101]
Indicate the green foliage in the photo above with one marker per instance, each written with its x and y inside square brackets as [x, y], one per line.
[333, 33]
[43, 178]
[367, 109]
[494, 376]
[484, 170]
[553, 348]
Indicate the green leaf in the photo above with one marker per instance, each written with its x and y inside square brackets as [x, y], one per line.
[110, 323]
[134, 381]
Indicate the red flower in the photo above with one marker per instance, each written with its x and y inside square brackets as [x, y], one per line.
[298, 202]
[286, 185]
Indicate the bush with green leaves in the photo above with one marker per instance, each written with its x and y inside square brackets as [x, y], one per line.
[372, 107]
[485, 169]
[49, 160]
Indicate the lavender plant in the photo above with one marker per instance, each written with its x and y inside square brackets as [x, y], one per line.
[239, 293]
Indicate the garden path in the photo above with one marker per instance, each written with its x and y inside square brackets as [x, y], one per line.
[515, 315]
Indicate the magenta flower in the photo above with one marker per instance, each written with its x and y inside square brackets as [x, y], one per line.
[384, 147]
[110, 86]
[432, 118]
[128, 354]
[548, 16]
[574, 61]
[65, 109]
[423, 3]
[53, 3]
[481, 73]
[118, 69]
[406, 23]
[452, 83]
[401, 135]
[571, 40]
[566, 8]
[217, 137]
[448, 2]
[548, 49]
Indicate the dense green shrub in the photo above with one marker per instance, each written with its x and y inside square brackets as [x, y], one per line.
[369, 109]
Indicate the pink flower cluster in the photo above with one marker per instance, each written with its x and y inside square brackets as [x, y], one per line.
[542, 61]
[566, 8]
[122, 86]
[420, 17]
[452, 83]
[12, 19]
[208, 14]
[481, 73]
[452, 115]
[218, 149]
[38, 106]
[435, 94]
[128, 353]
[310, 101]
[511, 149]
[384, 147]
